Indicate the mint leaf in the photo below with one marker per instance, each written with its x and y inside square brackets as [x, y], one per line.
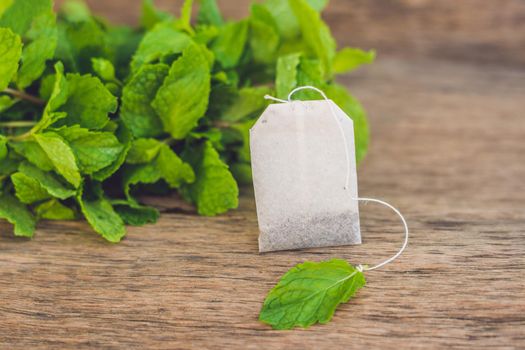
[94, 150]
[229, 45]
[264, 34]
[214, 190]
[35, 154]
[54, 210]
[88, 102]
[135, 214]
[102, 217]
[350, 58]
[27, 189]
[3, 147]
[310, 293]
[43, 36]
[143, 151]
[183, 97]
[17, 214]
[124, 137]
[60, 155]
[103, 68]
[21, 13]
[50, 182]
[209, 13]
[136, 110]
[185, 17]
[286, 76]
[249, 101]
[151, 15]
[10, 52]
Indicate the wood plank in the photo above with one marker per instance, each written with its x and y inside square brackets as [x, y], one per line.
[447, 149]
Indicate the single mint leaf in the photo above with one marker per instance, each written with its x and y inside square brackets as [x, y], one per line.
[286, 75]
[160, 42]
[249, 101]
[17, 214]
[136, 110]
[350, 58]
[94, 150]
[151, 16]
[102, 217]
[315, 33]
[135, 214]
[285, 19]
[183, 97]
[185, 17]
[35, 154]
[10, 53]
[264, 35]
[214, 190]
[143, 151]
[43, 36]
[21, 13]
[27, 189]
[61, 155]
[209, 13]
[88, 102]
[229, 45]
[103, 68]
[173, 169]
[47, 180]
[310, 293]
[54, 210]
[124, 137]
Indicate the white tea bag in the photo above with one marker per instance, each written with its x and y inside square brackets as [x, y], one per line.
[302, 158]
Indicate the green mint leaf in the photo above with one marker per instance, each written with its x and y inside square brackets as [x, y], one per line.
[18, 215]
[310, 293]
[21, 13]
[151, 16]
[54, 210]
[214, 190]
[43, 36]
[75, 11]
[3, 147]
[61, 155]
[173, 169]
[88, 102]
[10, 53]
[185, 17]
[136, 110]
[160, 42]
[102, 217]
[315, 33]
[35, 154]
[183, 97]
[350, 58]
[135, 214]
[103, 68]
[209, 13]
[124, 137]
[94, 150]
[351, 106]
[27, 189]
[4, 5]
[249, 101]
[286, 75]
[264, 35]
[47, 180]
[229, 45]
[143, 151]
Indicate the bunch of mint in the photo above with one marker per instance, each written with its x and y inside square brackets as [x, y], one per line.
[92, 114]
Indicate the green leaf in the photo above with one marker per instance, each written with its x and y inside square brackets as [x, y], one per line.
[183, 97]
[214, 190]
[94, 150]
[249, 101]
[315, 33]
[209, 13]
[6, 102]
[151, 16]
[160, 42]
[21, 13]
[229, 45]
[18, 215]
[102, 217]
[286, 76]
[10, 53]
[135, 214]
[54, 210]
[310, 293]
[351, 106]
[143, 151]
[88, 102]
[124, 137]
[43, 36]
[27, 189]
[103, 68]
[136, 110]
[350, 58]
[3, 147]
[264, 34]
[35, 154]
[61, 155]
[47, 180]
[185, 17]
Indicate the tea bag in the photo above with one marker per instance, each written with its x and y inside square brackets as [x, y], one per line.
[304, 176]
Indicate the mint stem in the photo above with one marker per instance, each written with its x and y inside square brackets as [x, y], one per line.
[24, 96]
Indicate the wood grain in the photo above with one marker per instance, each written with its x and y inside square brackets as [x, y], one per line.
[447, 150]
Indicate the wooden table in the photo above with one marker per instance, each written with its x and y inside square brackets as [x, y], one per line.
[448, 148]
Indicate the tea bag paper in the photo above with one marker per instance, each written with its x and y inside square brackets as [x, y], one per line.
[299, 170]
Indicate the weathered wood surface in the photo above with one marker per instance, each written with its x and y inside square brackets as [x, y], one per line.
[448, 149]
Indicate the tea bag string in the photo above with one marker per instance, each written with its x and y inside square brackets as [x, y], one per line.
[359, 267]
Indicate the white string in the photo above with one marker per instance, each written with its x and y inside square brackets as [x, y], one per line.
[359, 267]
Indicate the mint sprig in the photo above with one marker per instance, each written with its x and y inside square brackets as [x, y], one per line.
[93, 115]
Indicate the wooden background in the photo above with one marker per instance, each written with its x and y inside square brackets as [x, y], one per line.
[446, 104]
